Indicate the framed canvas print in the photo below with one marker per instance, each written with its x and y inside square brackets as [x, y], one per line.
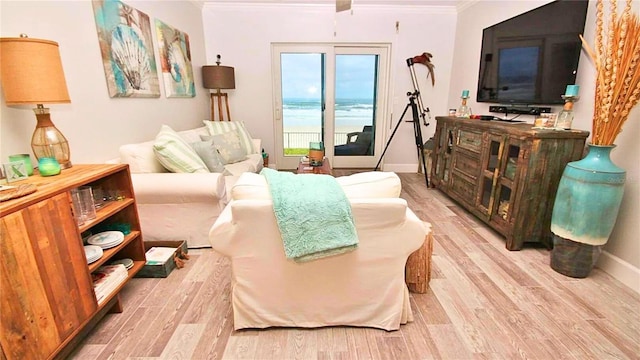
[175, 61]
[126, 46]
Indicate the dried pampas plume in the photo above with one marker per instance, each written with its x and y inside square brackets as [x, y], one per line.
[616, 57]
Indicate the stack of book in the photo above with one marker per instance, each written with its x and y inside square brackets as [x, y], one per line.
[106, 279]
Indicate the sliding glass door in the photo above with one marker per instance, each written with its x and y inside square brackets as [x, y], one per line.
[329, 93]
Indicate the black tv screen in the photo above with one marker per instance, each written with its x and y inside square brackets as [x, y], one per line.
[531, 58]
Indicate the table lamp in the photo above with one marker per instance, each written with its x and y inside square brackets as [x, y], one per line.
[31, 73]
[218, 77]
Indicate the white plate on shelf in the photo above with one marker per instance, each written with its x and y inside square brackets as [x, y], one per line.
[128, 263]
[93, 253]
[106, 239]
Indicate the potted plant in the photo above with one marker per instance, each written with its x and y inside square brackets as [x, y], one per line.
[591, 189]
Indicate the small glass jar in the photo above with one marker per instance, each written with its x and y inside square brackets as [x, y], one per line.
[316, 153]
[48, 166]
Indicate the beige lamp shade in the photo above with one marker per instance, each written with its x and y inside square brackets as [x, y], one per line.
[31, 72]
[218, 77]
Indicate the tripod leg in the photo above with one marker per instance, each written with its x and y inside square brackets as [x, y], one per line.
[391, 137]
[417, 132]
[421, 150]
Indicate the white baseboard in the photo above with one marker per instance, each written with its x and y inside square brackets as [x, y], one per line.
[620, 270]
[401, 168]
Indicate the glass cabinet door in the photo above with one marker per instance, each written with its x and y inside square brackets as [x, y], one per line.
[490, 174]
[443, 157]
[508, 175]
[499, 175]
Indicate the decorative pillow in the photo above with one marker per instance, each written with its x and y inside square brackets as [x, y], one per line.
[229, 146]
[219, 127]
[175, 154]
[209, 155]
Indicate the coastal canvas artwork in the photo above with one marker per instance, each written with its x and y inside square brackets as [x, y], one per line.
[127, 51]
[175, 61]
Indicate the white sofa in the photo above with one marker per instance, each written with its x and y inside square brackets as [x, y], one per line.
[180, 206]
[365, 287]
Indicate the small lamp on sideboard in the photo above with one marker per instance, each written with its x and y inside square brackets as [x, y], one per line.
[31, 73]
[218, 77]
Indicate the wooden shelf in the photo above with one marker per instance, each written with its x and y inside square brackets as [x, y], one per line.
[137, 266]
[50, 300]
[109, 253]
[108, 209]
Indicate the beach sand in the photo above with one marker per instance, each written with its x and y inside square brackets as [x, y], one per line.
[315, 129]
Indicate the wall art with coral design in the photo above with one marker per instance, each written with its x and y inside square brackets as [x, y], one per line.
[175, 61]
[126, 45]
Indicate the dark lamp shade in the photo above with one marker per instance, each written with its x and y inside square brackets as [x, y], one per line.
[218, 77]
[31, 72]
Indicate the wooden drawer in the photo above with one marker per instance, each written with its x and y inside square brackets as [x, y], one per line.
[470, 140]
[467, 164]
[463, 188]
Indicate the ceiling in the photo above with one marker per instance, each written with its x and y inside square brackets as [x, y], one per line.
[453, 3]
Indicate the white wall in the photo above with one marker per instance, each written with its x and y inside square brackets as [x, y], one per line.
[95, 124]
[242, 35]
[622, 256]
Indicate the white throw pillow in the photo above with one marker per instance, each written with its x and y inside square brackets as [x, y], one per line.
[219, 127]
[175, 154]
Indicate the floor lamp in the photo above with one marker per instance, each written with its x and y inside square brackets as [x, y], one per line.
[31, 73]
[218, 77]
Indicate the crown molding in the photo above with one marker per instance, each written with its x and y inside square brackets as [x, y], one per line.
[263, 5]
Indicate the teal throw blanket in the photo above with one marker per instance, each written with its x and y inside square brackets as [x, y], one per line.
[313, 214]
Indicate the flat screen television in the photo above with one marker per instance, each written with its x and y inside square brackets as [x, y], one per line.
[531, 58]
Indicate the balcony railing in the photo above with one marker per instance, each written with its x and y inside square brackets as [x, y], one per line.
[302, 139]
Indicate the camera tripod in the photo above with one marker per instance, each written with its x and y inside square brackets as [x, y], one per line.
[415, 102]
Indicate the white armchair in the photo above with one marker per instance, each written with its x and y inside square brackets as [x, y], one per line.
[365, 287]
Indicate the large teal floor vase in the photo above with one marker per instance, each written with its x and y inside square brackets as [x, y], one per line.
[572, 258]
[585, 209]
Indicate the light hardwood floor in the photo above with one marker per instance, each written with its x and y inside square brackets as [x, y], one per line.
[484, 302]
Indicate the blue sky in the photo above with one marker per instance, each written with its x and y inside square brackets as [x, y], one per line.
[301, 76]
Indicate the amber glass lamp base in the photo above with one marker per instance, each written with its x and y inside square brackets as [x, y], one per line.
[47, 141]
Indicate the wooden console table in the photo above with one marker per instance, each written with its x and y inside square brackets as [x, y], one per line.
[505, 174]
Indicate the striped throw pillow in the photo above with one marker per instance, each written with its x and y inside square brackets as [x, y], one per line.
[220, 127]
[175, 154]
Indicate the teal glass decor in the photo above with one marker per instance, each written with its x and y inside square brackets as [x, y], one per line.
[48, 166]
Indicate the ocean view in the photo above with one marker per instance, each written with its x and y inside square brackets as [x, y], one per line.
[301, 119]
[306, 113]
